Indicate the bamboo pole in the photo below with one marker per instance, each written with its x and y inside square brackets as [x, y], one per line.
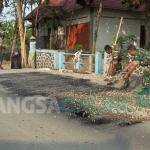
[118, 30]
[114, 44]
[24, 47]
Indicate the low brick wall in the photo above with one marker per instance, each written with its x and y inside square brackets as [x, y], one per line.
[44, 60]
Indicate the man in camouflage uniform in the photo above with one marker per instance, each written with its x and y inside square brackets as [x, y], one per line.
[140, 58]
[120, 58]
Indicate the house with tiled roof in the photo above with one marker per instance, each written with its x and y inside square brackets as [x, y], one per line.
[83, 24]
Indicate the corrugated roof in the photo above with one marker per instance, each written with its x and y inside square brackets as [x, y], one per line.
[114, 4]
[69, 5]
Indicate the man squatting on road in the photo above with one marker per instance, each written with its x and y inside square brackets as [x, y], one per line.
[140, 58]
[120, 59]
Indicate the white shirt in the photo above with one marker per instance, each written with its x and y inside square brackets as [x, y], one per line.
[32, 47]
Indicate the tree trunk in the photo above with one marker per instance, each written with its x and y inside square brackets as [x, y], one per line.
[14, 39]
[146, 34]
[32, 20]
[1, 6]
[24, 10]
[96, 28]
[68, 38]
[147, 23]
[36, 18]
[21, 31]
[50, 40]
[15, 32]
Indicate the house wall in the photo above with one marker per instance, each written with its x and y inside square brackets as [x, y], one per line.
[108, 25]
[80, 29]
[80, 16]
[109, 22]
[42, 37]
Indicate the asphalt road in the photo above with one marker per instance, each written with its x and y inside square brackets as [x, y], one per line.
[20, 130]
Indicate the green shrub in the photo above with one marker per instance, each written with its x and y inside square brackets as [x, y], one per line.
[147, 47]
[6, 56]
[125, 40]
[78, 47]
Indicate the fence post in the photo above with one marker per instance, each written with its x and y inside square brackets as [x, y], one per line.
[98, 62]
[105, 61]
[79, 64]
[56, 59]
[90, 63]
[61, 60]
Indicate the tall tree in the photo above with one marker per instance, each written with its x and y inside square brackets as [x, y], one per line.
[8, 29]
[135, 4]
[34, 20]
[96, 28]
[18, 9]
[15, 33]
[69, 29]
[37, 14]
[22, 33]
[14, 42]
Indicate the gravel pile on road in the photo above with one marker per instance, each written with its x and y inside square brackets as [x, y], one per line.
[107, 100]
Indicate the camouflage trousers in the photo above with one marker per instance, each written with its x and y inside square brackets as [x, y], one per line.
[146, 77]
[120, 66]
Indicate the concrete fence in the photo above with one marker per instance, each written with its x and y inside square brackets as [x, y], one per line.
[54, 59]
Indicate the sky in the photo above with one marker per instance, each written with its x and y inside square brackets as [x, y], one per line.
[8, 17]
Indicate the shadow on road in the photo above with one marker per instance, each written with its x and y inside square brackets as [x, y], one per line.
[114, 144]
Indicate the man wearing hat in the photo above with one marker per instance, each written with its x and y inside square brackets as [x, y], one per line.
[31, 57]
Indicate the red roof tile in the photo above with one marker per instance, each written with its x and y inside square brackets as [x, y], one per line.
[69, 5]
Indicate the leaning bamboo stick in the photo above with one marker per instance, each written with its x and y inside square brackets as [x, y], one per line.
[118, 30]
[110, 59]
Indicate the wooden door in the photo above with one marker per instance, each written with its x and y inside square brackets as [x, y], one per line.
[83, 35]
[73, 36]
[80, 34]
[142, 36]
